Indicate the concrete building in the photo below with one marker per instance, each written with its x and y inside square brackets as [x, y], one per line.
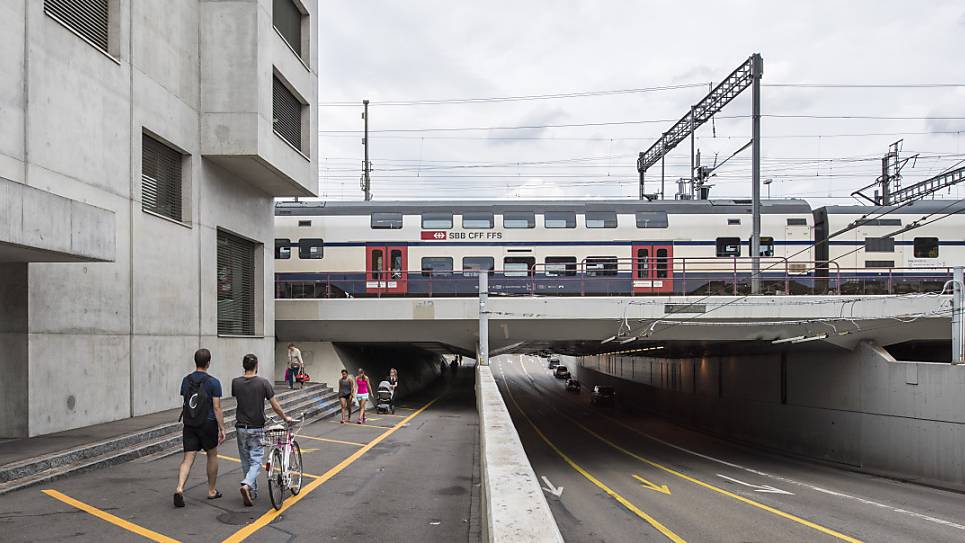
[141, 144]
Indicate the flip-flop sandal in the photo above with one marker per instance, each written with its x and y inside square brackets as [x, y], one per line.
[178, 499]
[217, 494]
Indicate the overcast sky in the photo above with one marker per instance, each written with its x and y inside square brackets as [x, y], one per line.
[420, 50]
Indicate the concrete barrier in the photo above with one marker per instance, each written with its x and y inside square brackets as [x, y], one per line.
[514, 508]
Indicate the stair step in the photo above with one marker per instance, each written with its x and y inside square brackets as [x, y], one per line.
[317, 401]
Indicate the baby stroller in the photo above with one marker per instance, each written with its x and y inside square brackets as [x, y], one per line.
[383, 398]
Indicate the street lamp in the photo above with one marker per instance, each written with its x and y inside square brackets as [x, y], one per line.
[767, 183]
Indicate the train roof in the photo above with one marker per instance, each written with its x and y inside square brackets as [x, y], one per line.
[684, 207]
[914, 208]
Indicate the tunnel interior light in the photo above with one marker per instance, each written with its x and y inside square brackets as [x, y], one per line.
[788, 340]
[608, 340]
[812, 338]
[628, 340]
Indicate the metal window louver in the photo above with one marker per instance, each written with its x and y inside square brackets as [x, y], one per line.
[89, 18]
[160, 178]
[236, 285]
[288, 113]
[288, 20]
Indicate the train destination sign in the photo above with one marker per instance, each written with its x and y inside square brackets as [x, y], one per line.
[472, 235]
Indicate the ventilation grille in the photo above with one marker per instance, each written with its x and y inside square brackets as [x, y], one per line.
[89, 18]
[288, 20]
[160, 178]
[288, 114]
[236, 285]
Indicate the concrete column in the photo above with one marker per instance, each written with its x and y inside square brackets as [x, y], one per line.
[483, 357]
[14, 400]
[958, 289]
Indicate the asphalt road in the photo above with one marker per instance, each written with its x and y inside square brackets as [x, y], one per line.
[639, 478]
[418, 483]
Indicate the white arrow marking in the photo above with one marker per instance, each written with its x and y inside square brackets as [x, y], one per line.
[767, 489]
[558, 492]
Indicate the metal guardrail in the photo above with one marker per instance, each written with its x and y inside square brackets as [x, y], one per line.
[623, 277]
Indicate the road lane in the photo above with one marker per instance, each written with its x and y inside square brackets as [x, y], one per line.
[841, 509]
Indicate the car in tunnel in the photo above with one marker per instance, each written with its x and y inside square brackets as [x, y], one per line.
[561, 372]
[554, 361]
[603, 395]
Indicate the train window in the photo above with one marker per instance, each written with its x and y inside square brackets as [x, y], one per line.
[283, 249]
[310, 248]
[386, 221]
[797, 222]
[766, 247]
[395, 263]
[472, 265]
[601, 266]
[436, 265]
[643, 263]
[728, 246]
[556, 266]
[652, 219]
[304, 223]
[377, 264]
[438, 219]
[662, 262]
[733, 222]
[601, 219]
[879, 264]
[559, 219]
[926, 247]
[518, 266]
[879, 245]
[519, 219]
[480, 220]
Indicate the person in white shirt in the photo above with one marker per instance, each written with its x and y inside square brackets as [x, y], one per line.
[295, 364]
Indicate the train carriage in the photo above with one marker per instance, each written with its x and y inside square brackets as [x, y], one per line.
[561, 248]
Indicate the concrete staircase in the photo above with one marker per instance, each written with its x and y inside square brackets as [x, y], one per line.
[316, 401]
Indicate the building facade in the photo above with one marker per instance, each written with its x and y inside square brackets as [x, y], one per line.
[141, 145]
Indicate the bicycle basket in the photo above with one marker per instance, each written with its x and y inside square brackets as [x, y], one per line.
[275, 436]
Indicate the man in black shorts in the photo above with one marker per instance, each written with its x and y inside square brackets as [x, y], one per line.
[203, 424]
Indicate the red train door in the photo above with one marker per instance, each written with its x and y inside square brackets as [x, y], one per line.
[652, 269]
[385, 269]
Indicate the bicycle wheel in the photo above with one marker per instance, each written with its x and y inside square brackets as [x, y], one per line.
[276, 483]
[295, 469]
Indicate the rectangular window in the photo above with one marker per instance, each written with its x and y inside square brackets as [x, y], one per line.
[559, 219]
[287, 19]
[479, 220]
[160, 178]
[472, 265]
[767, 246]
[879, 264]
[304, 223]
[436, 265]
[600, 266]
[879, 245]
[652, 219]
[236, 285]
[518, 266]
[878, 222]
[519, 219]
[287, 111]
[437, 220]
[797, 222]
[310, 248]
[556, 266]
[600, 219]
[386, 221]
[733, 222]
[728, 246]
[643, 263]
[283, 249]
[926, 247]
[89, 18]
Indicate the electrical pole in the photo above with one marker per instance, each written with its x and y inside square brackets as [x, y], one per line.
[483, 355]
[957, 292]
[757, 69]
[366, 165]
[693, 130]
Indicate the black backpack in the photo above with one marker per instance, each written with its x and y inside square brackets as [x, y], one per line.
[197, 402]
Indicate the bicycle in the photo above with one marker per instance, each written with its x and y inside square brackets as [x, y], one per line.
[284, 464]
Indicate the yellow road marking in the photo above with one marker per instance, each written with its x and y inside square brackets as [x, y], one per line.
[367, 425]
[719, 490]
[238, 460]
[392, 415]
[663, 489]
[103, 515]
[610, 492]
[327, 440]
[271, 514]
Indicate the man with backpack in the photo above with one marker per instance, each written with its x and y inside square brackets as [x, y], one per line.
[203, 424]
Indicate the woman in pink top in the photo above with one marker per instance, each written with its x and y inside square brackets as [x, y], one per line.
[362, 393]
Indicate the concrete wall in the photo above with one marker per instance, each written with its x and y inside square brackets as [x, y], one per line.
[861, 409]
[112, 340]
[324, 361]
[13, 349]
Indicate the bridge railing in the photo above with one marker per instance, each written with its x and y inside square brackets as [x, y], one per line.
[725, 276]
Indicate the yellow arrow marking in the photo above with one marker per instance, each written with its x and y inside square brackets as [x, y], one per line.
[663, 489]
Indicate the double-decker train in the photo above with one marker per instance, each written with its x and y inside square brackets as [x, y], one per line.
[339, 249]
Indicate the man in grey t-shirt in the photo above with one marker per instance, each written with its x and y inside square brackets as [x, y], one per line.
[252, 392]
